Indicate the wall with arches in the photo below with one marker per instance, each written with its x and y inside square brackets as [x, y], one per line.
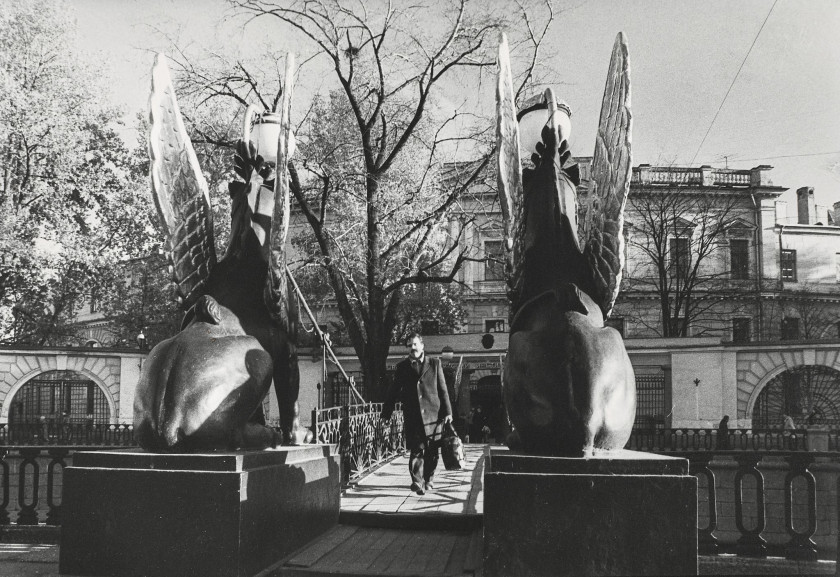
[116, 373]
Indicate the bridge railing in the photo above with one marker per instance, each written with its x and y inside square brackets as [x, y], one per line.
[68, 434]
[364, 440]
[767, 503]
[689, 439]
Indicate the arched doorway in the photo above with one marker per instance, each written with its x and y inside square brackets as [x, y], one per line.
[59, 393]
[810, 394]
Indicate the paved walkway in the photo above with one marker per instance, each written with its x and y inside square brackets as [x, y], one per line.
[387, 490]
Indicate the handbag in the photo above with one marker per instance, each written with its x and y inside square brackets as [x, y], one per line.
[452, 449]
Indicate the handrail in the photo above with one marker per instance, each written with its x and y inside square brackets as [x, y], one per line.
[325, 340]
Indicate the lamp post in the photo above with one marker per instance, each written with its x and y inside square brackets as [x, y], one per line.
[535, 114]
[696, 400]
[263, 130]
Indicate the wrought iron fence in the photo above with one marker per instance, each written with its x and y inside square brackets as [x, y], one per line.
[686, 439]
[364, 440]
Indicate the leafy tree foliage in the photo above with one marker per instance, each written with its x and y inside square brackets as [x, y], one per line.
[71, 199]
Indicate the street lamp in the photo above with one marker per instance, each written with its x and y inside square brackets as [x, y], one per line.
[141, 340]
[535, 115]
[264, 131]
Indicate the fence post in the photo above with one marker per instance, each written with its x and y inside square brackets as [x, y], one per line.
[699, 465]
[751, 543]
[28, 514]
[801, 546]
[313, 425]
[54, 512]
[7, 481]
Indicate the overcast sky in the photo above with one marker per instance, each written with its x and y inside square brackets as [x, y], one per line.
[783, 108]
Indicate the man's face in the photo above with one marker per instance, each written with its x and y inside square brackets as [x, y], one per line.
[415, 348]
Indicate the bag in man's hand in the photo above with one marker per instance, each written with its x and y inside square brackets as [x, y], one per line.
[452, 449]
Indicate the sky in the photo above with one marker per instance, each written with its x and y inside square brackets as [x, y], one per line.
[723, 83]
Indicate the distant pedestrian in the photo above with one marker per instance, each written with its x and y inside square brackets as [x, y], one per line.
[478, 424]
[789, 425]
[723, 434]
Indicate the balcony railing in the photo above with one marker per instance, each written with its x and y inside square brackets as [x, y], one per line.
[490, 287]
[364, 441]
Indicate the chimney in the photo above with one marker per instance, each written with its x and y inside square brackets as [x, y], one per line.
[805, 205]
[781, 212]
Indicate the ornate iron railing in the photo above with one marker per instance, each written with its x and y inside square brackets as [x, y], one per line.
[772, 503]
[686, 439]
[68, 434]
[364, 440]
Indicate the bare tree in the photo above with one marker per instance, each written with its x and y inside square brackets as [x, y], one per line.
[677, 251]
[808, 312]
[368, 185]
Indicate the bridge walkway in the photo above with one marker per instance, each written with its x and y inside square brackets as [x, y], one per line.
[386, 529]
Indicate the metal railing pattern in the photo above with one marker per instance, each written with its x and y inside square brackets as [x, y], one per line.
[68, 434]
[364, 440]
[800, 544]
[689, 439]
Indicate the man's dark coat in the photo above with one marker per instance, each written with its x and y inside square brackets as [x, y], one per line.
[424, 397]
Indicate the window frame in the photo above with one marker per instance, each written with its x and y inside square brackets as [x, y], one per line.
[735, 330]
[787, 322]
[789, 255]
[489, 329]
[499, 265]
[743, 271]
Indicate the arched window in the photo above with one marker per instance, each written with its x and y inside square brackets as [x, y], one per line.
[60, 393]
[809, 394]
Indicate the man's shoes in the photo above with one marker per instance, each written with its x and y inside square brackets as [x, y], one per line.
[430, 485]
[417, 489]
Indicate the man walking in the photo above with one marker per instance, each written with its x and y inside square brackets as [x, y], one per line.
[421, 387]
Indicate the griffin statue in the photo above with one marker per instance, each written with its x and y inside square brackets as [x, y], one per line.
[203, 388]
[568, 383]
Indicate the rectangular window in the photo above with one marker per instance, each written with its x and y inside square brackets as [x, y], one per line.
[739, 258]
[429, 327]
[741, 330]
[676, 327]
[788, 265]
[617, 323]
[494, 263]
[680, 256]
[790, 329]
[494, 326]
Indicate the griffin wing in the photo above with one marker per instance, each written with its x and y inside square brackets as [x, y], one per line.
[277, 293]
[610, 183]
[508, 163]
[179, 189]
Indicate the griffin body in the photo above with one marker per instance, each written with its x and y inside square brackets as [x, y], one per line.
[203, 389]
[568, 383]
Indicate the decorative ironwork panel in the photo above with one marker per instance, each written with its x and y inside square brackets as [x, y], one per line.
[364, 440]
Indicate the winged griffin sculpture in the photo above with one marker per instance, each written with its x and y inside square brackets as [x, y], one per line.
[203, 388]
[568, 383]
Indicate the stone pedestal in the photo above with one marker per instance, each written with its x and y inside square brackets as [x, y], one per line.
[131, 513]
[628, 513]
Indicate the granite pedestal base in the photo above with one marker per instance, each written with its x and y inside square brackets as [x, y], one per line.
[131, 513]
[628, 513]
